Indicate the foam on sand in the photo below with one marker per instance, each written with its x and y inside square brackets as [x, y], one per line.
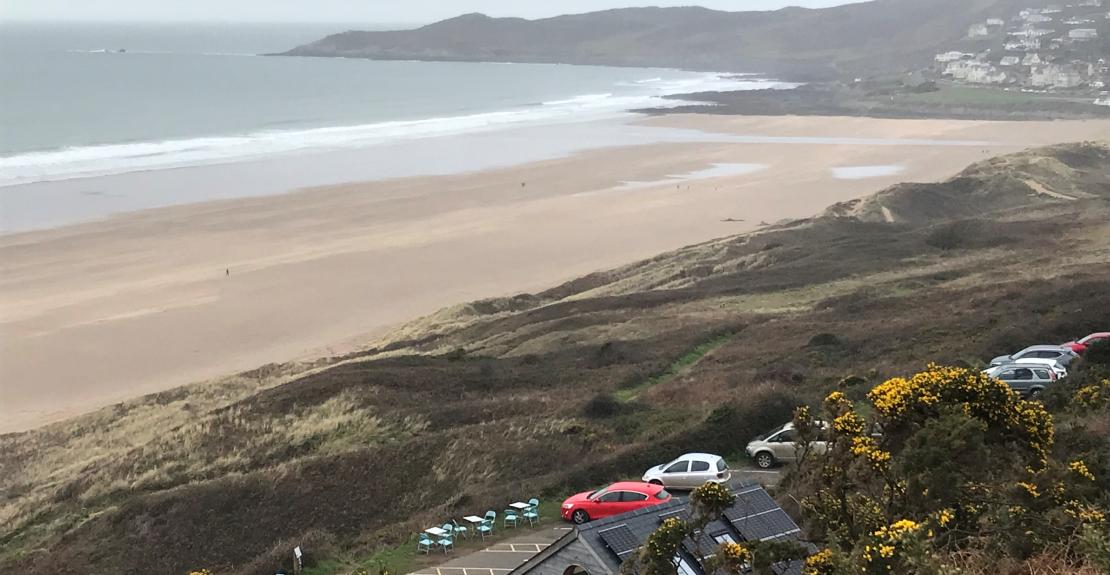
[82, 161]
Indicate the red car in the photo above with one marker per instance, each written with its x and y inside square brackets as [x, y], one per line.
[1082, 345]
[618, 498]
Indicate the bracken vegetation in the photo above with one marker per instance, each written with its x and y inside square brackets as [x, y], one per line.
[512, 398]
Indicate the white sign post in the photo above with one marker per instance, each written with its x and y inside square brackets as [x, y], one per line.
[298, 558]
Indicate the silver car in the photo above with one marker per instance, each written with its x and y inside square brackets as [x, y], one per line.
[781, 445]
[1060, 354]
[690, 471]
[1025, 379]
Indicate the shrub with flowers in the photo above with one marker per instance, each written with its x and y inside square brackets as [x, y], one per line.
[886, 549]
[657, 555]
[708, 502]
[733, 558]
[962, 464]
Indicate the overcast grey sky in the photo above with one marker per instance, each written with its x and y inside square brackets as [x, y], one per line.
[391, 11]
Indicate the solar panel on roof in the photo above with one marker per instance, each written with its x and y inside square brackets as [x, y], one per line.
[753, 502]
[669, 514]
[620, 540]
[765, 525]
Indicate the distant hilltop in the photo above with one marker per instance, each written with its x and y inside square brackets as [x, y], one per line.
[792, 43]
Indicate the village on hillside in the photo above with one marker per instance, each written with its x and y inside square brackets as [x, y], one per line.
[1058, 48]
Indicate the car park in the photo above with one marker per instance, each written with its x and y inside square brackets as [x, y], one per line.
[690, 471]
[620, 497]
[1059, 353]
[782, 445]
[1025, 379]
[1080, 346]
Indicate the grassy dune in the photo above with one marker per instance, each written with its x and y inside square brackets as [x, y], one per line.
[587, 382]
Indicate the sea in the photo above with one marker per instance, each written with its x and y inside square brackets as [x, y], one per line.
[94, 99]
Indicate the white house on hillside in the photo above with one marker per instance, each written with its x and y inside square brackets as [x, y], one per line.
[1055, 76]
[1083, 34]
[978, 30]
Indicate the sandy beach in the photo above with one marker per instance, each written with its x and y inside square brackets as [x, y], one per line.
[98, 312]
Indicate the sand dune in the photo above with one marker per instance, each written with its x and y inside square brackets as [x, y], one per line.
[95, 313]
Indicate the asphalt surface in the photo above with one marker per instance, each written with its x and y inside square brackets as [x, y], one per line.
[501, 558]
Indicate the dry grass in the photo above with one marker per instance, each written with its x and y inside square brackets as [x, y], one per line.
[368, 448]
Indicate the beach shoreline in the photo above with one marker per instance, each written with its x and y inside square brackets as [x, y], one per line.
[101, 311]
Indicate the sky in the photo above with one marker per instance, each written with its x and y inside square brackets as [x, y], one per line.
[333, 11]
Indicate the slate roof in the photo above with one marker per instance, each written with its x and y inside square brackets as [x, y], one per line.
[753, 517]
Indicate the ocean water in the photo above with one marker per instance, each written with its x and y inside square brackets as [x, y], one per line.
[84, 100]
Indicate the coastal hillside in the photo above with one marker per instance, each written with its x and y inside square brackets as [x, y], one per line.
[699, 349]
[796, 43]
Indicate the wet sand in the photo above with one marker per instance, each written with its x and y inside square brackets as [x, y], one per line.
[99, 312]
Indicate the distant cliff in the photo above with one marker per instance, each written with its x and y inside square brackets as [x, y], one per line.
[796, 43]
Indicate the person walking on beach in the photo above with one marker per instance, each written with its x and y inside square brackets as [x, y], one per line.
[227, 272]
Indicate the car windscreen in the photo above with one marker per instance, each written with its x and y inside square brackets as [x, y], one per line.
[662, 494]
[721, 465]
[764, 436]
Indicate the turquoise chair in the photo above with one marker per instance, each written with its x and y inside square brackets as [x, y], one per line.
[424, 543]
[511, 517]
[532, 513]
[459, 529]
[491, 516]
[485, 528]
[446, 541]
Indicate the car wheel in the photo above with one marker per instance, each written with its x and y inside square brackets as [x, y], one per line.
[764, 460]
[1035, 392]
[656, 482]
[579, 517]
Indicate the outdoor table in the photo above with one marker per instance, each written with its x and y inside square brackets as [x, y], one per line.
[473, 519]
[437, 531]
[519, 505]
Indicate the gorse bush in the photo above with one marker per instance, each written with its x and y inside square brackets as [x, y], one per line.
[962, 466]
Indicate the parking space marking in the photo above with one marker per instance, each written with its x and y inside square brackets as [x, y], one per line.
[532, 548]
[469, 570]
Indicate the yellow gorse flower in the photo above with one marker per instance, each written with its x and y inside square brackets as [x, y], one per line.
[1080, 468]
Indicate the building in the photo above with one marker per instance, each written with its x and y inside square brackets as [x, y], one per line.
[978, 30]
[986, 74]
[1023, 45]
[1055, 76]
[1038, 19]
[995, 22]
[600, 547]
[1031, 59]
[1090, 3]
[959, 69]
[1010, 61]
[952, 56]
[1083, 34]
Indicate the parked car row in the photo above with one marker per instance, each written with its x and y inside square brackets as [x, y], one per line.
[1031, 370]
[1028, 372]
[686, 472]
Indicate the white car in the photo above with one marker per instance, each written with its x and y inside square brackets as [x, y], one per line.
[1060, 371]
[690, 471]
